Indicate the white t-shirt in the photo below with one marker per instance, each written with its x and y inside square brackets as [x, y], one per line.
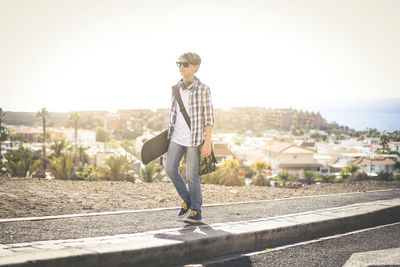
[181, 134]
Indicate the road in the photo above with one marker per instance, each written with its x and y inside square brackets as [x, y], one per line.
[136, 222]
[340, 250]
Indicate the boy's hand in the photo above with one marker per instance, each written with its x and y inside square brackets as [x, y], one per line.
[206, 149]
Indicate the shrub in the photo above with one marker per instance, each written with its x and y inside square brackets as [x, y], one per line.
[21, 162]
[328, 178]
[309, 176]
[284, 177]
[114, 168]
[231, 176]
[232, 179]
[339, 180]
[385, 176]
[319, 180]
[87, 173]
[260, 180]
[360, 175]
[213, 178]
[63, 167]
[151, 172]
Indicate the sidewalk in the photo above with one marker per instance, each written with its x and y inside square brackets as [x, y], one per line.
[166, 247]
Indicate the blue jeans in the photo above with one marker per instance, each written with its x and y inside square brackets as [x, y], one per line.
[174, 156]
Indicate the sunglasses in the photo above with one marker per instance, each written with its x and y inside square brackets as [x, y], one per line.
[184, 64]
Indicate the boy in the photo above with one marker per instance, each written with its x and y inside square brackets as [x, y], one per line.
[196, 98]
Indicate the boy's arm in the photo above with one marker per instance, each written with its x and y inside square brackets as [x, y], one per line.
[206, 150]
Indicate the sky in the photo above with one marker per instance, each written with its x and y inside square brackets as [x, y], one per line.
[120, 54]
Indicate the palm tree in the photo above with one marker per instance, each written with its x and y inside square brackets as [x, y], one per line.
[58, 146]
[83, 157]
[74, 116]
[284, 177]
[309, 175]
[115, 167]
[259, 167]
[213, 177]
[21, 162]
[2, 114]
[350, 170]
[384, 142]
[231, 178]
[44, 114]
[149, 173]
[14, 138]
[63, 167]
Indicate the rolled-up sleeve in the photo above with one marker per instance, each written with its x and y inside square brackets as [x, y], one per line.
[208, 108]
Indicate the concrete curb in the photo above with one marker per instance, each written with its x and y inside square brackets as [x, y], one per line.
[194, 243]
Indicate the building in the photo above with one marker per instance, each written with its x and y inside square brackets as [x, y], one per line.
[375, 165]
[222, 152]
[29, 134]
[279, 118]
[394, 146]
[283, 119]
[291, 158]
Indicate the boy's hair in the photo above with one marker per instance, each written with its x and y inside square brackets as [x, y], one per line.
[192, 58]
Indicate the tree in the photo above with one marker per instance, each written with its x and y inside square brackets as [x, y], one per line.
[349, 171]
[213, 177]
[353, 168]
[384, 142]
[102, 135]
[75, 117]
[83, 157]
[385, 176]
[14, 138]
[4, 135]
[284, 177]
[328, 178]
[259, 167]
[115, 168]
[309, 176]
[2, 114]
[21, 162]
[150, 172]
[231, 177]
[58, 146]
[44, 114]
[63, 167]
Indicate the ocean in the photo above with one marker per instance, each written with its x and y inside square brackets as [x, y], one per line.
[360, 114]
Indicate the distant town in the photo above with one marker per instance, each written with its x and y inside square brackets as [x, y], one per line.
[259, 146]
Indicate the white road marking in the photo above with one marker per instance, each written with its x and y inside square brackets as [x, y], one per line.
[268, 250]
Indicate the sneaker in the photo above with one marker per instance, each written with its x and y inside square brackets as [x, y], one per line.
[194, 217]
[184, 210]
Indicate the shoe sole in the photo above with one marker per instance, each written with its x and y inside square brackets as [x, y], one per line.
[183, 215]
[192, 221]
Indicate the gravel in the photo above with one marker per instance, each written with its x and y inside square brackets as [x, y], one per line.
[24, 197]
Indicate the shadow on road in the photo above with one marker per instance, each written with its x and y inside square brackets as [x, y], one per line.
[192, 232]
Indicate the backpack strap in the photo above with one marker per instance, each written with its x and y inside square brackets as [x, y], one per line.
[178, 98]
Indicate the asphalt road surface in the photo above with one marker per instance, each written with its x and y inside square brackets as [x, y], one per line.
[330, 251]
[91, 226]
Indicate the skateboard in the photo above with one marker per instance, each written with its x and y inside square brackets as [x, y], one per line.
[154, 147]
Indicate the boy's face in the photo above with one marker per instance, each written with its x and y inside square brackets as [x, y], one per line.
[189, 70]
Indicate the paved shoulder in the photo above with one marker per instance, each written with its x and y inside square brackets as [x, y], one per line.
[142, 221]
[171, 246]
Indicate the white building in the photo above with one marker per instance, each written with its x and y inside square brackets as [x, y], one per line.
[375, 165]
[291, 158]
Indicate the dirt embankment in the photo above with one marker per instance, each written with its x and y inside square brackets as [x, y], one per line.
[20, 197]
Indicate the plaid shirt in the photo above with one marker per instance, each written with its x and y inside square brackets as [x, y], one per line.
[200, 112]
